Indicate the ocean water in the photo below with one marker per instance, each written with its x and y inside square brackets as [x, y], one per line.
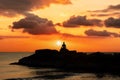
[17, 72]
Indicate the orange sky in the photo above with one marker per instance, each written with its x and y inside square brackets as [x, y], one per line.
[84, 25]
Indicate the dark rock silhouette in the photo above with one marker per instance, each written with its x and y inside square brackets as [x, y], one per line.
[64, 59]
[63, 48]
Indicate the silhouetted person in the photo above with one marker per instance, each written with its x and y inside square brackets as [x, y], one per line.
[63, 48]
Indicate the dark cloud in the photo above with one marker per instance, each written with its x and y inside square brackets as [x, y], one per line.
[116, 13]
[114, 7]
[110, 8]
[13, 7]
[76, 21]
[96, 22]
[103, 33]
[35, 25]
[108, 14]
[112, 22]
[100, 15]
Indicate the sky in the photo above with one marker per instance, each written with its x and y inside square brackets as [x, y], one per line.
[86, 26]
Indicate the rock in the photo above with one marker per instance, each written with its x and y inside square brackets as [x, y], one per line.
[73, 61]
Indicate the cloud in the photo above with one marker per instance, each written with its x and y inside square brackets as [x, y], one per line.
[69, 36]
[103, 33]
[4, 37]
[112, 22]
[76, 21]
[13, 7]
[100, 15]
[35, 25]
[66, 35]
[114, 7]
[110, 8]
[104, 14]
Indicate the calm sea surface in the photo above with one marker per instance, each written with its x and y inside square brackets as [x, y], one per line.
[16, 72]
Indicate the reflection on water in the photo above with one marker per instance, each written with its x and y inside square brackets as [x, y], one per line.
[54, 74]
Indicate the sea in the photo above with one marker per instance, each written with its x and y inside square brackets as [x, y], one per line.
[17, 72]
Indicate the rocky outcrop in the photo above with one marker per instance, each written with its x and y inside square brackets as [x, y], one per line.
[73, 61]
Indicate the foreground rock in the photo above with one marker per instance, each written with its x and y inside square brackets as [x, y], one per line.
[73, 61]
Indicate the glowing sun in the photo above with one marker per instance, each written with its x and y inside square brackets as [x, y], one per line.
[59, 43]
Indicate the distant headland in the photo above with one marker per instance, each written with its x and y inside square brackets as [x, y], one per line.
[64, 59]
